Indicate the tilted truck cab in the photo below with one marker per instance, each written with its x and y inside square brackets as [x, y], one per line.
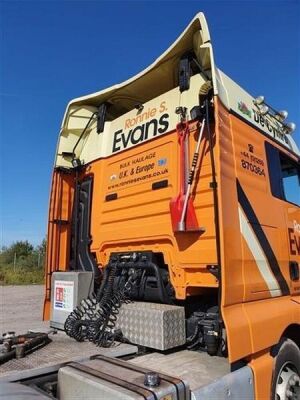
[177, 188]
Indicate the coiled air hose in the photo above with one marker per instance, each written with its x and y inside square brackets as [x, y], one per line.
[95, 317]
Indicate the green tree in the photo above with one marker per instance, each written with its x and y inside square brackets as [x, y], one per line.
[21, 248]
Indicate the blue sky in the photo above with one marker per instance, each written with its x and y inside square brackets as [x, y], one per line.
[52, 51]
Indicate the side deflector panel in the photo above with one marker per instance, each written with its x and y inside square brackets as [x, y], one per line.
[59, 228]
[81, 258]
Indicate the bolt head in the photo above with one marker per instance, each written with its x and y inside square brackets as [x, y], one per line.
[292, 382]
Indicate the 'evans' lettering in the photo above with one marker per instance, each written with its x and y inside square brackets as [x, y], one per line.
[140, 133]
[294, 241]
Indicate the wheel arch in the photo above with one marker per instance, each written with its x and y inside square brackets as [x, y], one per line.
[291, 332]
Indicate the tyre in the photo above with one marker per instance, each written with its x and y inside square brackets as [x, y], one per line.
[286, 376]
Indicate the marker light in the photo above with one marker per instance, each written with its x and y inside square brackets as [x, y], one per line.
[281, 115]
[76, 162]
[263, 110]
[290, 127]
[259, 100]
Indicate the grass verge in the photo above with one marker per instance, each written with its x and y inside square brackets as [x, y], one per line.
[21, 275]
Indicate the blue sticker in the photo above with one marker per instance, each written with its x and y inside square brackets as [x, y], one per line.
[161, 162]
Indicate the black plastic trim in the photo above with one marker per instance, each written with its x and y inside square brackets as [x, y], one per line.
[160, 184]
[81, 257]
[112, 196]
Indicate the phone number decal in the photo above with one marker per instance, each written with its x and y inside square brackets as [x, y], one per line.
[252, 168]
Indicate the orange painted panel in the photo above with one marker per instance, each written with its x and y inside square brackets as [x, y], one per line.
[139, 219]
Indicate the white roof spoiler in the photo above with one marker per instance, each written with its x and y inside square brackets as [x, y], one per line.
[196, 35]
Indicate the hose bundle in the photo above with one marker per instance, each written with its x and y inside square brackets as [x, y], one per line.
[95, 317]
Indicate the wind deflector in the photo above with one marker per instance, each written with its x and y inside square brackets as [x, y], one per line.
[160, 77]
[194, 38]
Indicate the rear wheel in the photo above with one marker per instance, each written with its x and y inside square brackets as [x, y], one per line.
[286, 378]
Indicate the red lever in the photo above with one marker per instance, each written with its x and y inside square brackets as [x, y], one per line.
[176, 204]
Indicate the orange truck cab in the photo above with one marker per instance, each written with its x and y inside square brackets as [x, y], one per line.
[178, 188]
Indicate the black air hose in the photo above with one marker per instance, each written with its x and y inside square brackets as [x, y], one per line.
[95, 318]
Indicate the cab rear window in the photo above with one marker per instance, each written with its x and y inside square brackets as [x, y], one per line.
[284, 175]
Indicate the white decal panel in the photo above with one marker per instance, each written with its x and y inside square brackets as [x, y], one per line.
[64, 295]
[258, 255]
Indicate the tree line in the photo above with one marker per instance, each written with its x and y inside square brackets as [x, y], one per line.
[23, 254]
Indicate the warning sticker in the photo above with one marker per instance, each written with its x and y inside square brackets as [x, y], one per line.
[63, 295]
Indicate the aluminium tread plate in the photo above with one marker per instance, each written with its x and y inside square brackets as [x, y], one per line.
[63, 349]
[157, 326]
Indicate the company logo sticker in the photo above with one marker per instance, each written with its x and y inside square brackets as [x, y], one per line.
[244, 109]
[162, 162]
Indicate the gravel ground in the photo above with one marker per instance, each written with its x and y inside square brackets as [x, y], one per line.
[21, 308]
